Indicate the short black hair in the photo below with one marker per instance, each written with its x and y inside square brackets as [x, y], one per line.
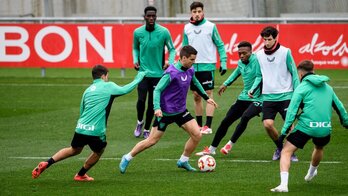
[269, 30]
[187, 51]
[98, 71]
[150, 8]
[195, 5]
[306, 65]
[245, 44]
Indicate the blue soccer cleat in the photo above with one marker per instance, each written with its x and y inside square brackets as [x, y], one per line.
[185, 165]
[123, 164]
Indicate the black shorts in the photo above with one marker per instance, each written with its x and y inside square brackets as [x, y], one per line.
[179, 119]
[299, 139]
[241, 108]
[206, 78]
[271, 108]
[94, 142]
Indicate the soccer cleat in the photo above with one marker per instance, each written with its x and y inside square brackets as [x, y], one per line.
[186, 165]
[39, 169]
[137, 131]
[206, 130]
[280, 189]
[276, 155]
[83, 178]
[146, 134]
[294, 158]
[226, 149]
[123, 164]
[205, 151]
[309, 177]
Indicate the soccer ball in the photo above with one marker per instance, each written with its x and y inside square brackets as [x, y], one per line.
[206, 163]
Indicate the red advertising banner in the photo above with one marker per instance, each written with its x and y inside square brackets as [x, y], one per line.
[84, 45]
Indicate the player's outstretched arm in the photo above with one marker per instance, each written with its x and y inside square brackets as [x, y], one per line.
[118, 90]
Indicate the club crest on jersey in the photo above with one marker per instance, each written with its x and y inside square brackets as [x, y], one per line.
[183, 78]
[93, 87]
[271, 60]
[197, 32]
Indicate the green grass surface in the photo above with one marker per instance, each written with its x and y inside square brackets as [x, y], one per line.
[38, 116]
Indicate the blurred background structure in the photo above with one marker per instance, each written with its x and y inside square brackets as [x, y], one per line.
[174, 8]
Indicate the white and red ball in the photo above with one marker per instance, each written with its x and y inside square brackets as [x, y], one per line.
[206, 163]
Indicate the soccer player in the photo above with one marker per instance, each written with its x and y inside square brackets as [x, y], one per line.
[277, 72]
[315, 98]
[204, 37]
[170, 106]
[149, 43]
[91, 127]
[245, 107]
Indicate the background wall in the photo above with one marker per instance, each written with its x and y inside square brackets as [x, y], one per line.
[173, 8]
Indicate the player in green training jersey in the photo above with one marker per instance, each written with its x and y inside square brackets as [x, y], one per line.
[91, 127]
[149, 42]
[314, 98]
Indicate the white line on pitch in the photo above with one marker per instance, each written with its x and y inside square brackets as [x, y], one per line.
[223, 160]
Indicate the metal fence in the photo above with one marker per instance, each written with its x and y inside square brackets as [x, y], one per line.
[127, 20]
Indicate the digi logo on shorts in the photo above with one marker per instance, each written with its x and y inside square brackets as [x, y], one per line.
[85, 127]
[319, 124]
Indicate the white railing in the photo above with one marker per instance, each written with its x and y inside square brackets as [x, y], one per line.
[170, 20]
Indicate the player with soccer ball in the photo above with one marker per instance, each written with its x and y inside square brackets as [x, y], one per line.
[170, 106]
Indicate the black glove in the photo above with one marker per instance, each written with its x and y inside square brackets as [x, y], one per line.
[222, 71]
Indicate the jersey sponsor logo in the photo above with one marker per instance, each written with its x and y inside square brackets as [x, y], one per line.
[183, 78]
[85, 127]
[197, 32]
[319, 124]
[271, 60]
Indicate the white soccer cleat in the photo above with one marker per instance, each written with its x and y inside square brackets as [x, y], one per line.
[205, 151]
[309, 177]
[280, 189]
[206, 130]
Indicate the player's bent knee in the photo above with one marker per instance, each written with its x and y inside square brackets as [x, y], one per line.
[268, 124]
[197, 136]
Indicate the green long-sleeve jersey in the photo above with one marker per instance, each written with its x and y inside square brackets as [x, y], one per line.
[248, 73]
[316, 98]
[96, 104]
[149, 49]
